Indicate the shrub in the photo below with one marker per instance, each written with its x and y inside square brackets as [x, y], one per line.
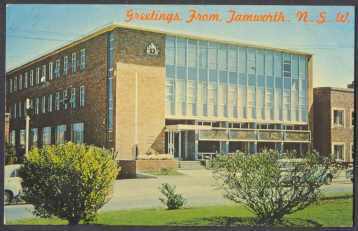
[69, 181]
[155, 157]
[10, 154]
[268, 186]
[172, 199]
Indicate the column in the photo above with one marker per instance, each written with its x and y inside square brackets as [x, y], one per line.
[185, 144]
[179, 144]
[196, 141]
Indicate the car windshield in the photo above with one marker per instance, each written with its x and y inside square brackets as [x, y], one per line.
[9, 170]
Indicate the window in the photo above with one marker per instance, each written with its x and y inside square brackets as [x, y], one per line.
[203, 55]
[43, 104]
[50, 70]
[57, 68]
[251, 61]
[73, 98]
[338, 151]
[268, 64]
[77, 133]
[15, 110]
[73, 64]
[60, 134]
[34, 137]
[64, 99]
[20, 110]
[82, 96]
[22, 137]
[31, 78]
[82, 59]
[37, 105]
[181, 49]
[57, 101]
[10, 85]
[46, 136]
[13, 137]
[15, 84]
[43, 76]
[25, 80]
[49, 103]
[260, 63]
[20, 82]
[65, 65]
[37, 81]
[338, 118]
[170, 50]
[287, 66]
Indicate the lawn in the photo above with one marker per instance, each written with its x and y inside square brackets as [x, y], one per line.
[335, 213]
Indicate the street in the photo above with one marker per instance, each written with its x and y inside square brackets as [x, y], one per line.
[197, 186]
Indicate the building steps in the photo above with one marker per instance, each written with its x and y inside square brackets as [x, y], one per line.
[190, 165]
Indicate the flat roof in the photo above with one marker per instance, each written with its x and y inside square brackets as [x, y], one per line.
[110, 27]
[334, 89]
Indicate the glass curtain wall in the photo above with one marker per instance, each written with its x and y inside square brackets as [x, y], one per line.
[210, 79]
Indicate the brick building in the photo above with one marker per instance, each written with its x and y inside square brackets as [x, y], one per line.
[334, 122]
[136, 89]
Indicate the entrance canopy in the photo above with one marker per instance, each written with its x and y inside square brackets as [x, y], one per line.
[186, 127]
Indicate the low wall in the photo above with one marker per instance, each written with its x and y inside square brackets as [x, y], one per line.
[128, 169]
[155, 165]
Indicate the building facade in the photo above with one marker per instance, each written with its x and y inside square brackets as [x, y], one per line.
[134, 89]
[334, 122]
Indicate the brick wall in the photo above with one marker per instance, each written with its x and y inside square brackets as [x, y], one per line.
[132, 60]
[93, 77]
[325, 100]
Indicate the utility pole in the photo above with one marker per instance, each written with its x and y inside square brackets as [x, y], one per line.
[136, 117]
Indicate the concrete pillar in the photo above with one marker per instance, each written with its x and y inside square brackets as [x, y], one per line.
[185, 144]
[179, 144]
[196, 141]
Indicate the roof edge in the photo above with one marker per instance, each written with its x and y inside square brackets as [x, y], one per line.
[112, 26]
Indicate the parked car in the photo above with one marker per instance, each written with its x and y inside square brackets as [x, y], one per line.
[12, 184]
[349, 174]
[286, 165]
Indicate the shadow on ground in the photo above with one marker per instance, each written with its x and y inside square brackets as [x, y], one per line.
[246, 221]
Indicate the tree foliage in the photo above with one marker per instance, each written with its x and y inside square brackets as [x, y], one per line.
[69, 181]
[271, 187]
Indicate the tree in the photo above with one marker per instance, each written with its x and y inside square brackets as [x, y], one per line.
[69, 181]
[269, 186]
[172, 199]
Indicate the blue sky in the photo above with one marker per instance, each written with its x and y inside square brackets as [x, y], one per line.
[32, 30]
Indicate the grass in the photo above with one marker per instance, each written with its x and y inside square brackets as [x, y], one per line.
[328, 213]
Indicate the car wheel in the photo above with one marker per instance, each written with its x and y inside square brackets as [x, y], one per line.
[8, 197]
[328, 179]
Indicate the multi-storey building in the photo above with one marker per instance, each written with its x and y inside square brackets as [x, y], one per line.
[136, 89]
[334, 122]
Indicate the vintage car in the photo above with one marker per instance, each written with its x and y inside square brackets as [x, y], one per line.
[12, 184]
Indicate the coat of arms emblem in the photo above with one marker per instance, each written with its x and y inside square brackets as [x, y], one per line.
[152, 49]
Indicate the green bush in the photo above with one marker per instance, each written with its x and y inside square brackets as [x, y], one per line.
[172, 199]
[269, 186]
[69, 181]
[10, 154]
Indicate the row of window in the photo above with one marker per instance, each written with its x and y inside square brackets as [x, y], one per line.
[50, 135]
[48, 72]
[218, 57]
[338, 118]
[49, 103]
[195, 98]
